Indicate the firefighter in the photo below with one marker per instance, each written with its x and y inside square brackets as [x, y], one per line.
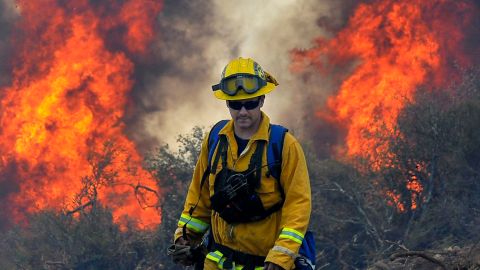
[254, 218]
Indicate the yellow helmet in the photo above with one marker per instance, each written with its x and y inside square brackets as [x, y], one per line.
[243, 78]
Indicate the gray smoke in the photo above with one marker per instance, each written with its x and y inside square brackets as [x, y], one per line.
[8, 175]
[172, 94]
[196, 40]
[8, 15]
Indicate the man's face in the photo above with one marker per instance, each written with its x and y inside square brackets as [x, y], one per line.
[246, 117]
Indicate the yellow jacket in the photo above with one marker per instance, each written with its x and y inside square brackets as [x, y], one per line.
[279, 236]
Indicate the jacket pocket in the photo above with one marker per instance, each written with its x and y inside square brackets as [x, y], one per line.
[269, 192]
[267, 185]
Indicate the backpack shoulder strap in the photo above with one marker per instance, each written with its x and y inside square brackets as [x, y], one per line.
[212, 143]
[274, 160]
[213, 138]
[274, 150]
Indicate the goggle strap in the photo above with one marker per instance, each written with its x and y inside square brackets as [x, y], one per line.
[270, 78]
[216, 87]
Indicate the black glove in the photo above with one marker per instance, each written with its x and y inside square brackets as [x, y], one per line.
[181, 254]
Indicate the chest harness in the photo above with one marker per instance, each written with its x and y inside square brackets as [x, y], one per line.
[235, 197]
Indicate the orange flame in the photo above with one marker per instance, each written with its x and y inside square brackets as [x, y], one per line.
[69, 90]
[393, 47]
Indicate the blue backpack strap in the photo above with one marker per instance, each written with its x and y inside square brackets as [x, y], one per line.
[274, 151]
[307, 253]
[213, 139]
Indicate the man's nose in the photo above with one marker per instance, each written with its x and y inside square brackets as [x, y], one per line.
[243, 110]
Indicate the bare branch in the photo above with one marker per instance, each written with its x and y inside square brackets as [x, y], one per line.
[418, 254]
[381, 266]
[80, 208]
[371, 228]
[398, 245]
[55, 265]
[140, 198]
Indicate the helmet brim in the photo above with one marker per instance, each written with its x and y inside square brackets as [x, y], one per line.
[244, 95]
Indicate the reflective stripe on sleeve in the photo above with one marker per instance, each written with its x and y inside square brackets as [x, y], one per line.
[285, 251]
[292, 234]
[193, 224]
[215, 256]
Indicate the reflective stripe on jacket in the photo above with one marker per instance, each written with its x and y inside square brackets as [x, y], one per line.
[279, 236]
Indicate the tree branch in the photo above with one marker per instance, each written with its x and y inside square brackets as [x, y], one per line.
[418, 254]
[80, 208]
[137, 195]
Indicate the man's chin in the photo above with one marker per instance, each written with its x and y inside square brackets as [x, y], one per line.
[243, 123]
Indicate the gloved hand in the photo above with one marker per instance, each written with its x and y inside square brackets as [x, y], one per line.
[181, 252]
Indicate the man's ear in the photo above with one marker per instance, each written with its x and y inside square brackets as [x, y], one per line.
[262, 100]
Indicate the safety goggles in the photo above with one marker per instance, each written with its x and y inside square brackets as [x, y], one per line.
[248, 105]
[248, 82]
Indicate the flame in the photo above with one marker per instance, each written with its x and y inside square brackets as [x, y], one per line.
[70, 84]
[391, 48]
[395, 201]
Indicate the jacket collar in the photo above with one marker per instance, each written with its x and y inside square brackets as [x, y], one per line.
[261, 134]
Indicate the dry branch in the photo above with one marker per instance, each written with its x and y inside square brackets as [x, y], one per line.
[418, 254]
[139, 197]
[80, 208]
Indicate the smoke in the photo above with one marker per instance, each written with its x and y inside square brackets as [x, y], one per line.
[172, 91]
[196, 40]
[273, 31]
[8, 14]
